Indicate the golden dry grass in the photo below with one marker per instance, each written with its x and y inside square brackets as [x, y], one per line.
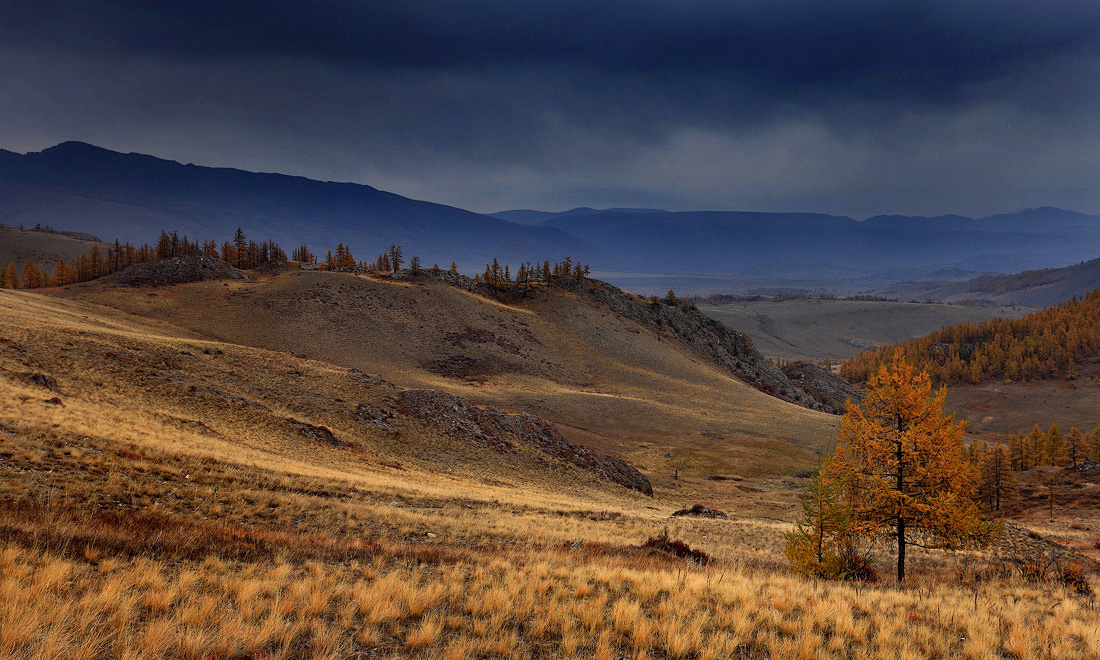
[127, 530]
[537, 604]
[607, 381]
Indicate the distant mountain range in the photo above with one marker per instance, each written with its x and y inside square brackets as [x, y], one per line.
[1032, 288]
[133, 197]
[744, 242]
[81, 187]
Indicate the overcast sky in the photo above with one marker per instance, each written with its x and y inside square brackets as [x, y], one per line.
[855, 108]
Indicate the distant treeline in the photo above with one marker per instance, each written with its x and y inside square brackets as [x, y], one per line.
[96, 263]
[722, 299]
[996, 462]
[1044, 344]
[246, 254]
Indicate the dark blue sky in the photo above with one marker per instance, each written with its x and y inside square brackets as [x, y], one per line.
[825, 105]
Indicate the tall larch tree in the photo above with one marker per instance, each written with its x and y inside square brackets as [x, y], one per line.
[1077, 446]
[61, 275]
[396, 256]
[901, 463]
[32, 275]
[240, 247]
[1056, 447]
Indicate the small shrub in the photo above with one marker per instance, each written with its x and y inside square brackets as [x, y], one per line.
[1073, 577]
[663, 543]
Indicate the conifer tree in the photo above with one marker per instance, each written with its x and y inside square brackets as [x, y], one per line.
[414, 264]
[61, 275]
[901, 463]
[1094, 442]
[396, 257]
[995, 469]
[1056, 447]
[1035, 444]
[164, 245]
[240, 245]
[823, 544]
[13, 276]
[1077, 446]
[454, 268]
[32, 275]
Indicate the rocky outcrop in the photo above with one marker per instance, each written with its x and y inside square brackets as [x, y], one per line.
[500, 431]
[377, 417]
[318, 433]
[700, 511]
[177, 270]
[44, 380]
[730, 349]
[823, 385]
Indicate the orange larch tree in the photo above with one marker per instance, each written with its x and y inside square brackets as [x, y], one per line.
[902, 466]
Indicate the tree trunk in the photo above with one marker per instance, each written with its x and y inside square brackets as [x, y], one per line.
[901, 520]
[901, 549]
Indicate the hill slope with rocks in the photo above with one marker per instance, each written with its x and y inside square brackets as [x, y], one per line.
[663, 387]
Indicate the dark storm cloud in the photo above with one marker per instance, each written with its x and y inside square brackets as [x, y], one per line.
[830, 105]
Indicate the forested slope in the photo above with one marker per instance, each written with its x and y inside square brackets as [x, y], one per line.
[1045, 344]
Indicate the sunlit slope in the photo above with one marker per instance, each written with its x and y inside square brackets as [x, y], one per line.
[73, 371]
[608, 381]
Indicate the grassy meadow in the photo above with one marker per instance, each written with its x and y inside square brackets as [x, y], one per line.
[157, 503]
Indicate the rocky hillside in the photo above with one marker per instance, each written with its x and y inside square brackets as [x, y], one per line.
[728, 348]
[177, 270]
[492, 428]
[217, 397]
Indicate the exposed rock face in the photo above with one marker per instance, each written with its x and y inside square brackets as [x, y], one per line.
[375, 416]
[498, 430]
[80, 236]
[728, 348]
[178, 270]
[823, 385]
[1021, 545]
[461, 418]
[44, 380]
[700, 511]
[318, 433]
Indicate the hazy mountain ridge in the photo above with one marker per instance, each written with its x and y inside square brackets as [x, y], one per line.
[134, 196]
[732, 242]
[1032, 288]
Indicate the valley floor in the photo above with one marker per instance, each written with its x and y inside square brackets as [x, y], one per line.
[167, 495]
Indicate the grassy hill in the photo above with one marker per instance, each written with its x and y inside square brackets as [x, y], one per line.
[177, 482]
[18, 245]
[607, 380]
